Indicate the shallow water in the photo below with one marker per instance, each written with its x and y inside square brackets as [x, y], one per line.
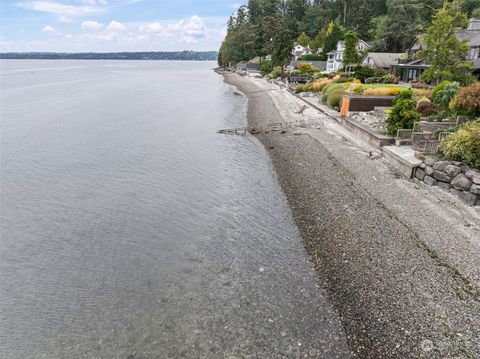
[131, 229]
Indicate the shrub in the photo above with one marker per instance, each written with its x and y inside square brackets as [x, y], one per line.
[306, 69]
[467, 101]
[382, 91]
[335, 97]
[308, 87]
[444, 93]
[385, 79]
[266, 67]
[299, 89]
[403, 114]
[277, 71]
[364, 72]
[420, 85]
[464, 144]
[426, 108]
[423, 92]
[319, 85]
[327, 90]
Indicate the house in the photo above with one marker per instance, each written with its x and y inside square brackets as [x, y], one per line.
[335, 57]
[381, 60]
[411, 66]
[247, 68]
[299, 50]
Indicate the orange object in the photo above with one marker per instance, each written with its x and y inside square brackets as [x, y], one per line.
[345, 106]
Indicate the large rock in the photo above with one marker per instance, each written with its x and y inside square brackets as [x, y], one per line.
[452, 170]
[429, 161]
[440, 165]
[475, 188]
[468, 198]
[461, 182]
[430, 181]
[474, 175]
[420, 174]
[428, 170]
[444, 186]
[441, 176]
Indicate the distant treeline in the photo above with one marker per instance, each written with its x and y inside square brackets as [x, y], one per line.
[176, 55]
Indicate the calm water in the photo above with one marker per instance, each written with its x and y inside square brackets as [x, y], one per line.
[130, 229]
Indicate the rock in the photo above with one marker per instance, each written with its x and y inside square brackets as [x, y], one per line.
[375, 154]
[254, 131]
[428, 170]
[430, 181]
[456, 163]
[452, 170]
[444, 186]
[296, 133]
[468, 198]
[440, 165]
[461, 182]
[420, 174]
[429, 161]
[440, 176]
[474, 175]
[422, 166]
[475, 188]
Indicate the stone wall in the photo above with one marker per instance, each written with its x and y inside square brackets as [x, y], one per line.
[454, 177]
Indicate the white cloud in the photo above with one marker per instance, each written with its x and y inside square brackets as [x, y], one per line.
[61, 9]
[116, 26]
[153, 28]
[190, 30]
[48, 28]
[64, 20]
[90, 25]
[95, 2]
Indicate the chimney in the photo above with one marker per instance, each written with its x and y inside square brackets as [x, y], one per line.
[474, 24]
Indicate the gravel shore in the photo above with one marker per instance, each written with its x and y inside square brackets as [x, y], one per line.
[399, 260]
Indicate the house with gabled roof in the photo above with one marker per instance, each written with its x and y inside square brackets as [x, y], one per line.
[335, 57]
[381, 60]
[412, 66]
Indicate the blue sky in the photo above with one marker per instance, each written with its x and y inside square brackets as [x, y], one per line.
[113, 25]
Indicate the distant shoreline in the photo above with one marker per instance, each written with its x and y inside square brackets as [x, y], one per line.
[144, 55]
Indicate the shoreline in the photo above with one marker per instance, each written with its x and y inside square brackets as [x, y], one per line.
[395, 295]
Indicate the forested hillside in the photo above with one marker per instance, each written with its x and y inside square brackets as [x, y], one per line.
[272, 26]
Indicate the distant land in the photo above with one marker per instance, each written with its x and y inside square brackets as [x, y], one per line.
[160, 55]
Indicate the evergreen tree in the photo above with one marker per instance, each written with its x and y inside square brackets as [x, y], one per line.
[443, 51]
[351, 56]
[333, 34]
[303, 40]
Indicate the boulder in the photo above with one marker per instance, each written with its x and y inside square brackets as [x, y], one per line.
[430, 181]
[422, 166]
[440, 165]
[429, 161]
[461, 182]
[444, 186]
[468, 198]
[428, 170]
[474, 175]
[420, 174]
[475, 188]
[452, 170]
[441, 176]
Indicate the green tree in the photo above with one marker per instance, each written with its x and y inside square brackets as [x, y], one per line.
[282, 44]
[378, 33]
[443, 50]
[404, 23]
[333, 34]
[303, 40]
[351, 56]
[318, 41]
[403, 114]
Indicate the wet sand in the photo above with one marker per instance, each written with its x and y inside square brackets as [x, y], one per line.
[397, 260]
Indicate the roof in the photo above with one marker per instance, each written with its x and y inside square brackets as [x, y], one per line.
[384, 59]
[471, 36]
[320, 65]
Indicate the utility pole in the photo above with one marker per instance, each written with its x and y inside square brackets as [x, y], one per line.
[344, 12]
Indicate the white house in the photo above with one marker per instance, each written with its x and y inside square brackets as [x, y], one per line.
[299, 50]
[335, 57]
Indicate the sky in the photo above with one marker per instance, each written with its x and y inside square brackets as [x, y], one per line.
[113, 25]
